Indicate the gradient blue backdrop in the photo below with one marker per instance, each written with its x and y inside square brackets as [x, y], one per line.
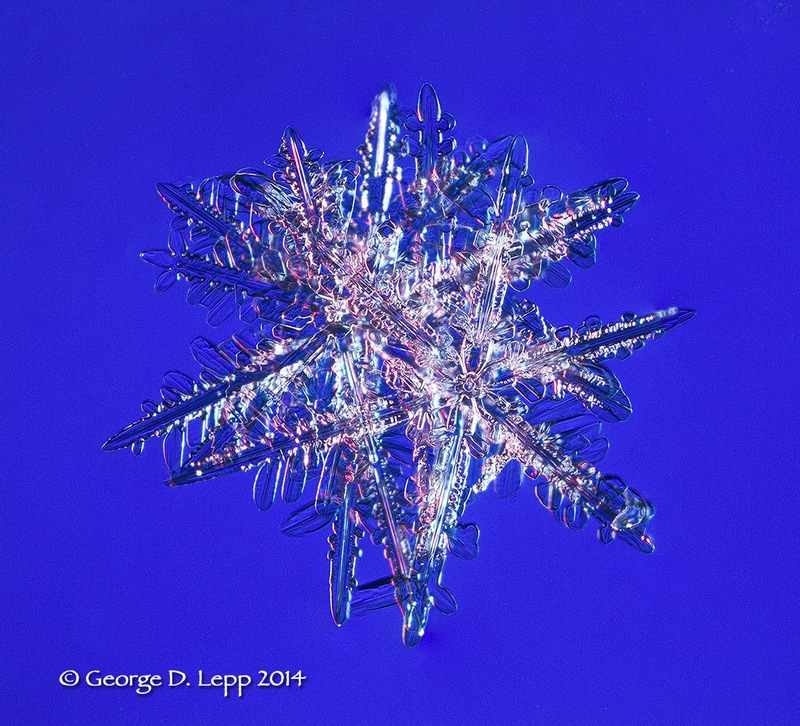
[696, 104]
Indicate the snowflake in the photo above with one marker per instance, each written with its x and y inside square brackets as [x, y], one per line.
[386, 369]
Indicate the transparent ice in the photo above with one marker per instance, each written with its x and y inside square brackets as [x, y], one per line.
[388, 371]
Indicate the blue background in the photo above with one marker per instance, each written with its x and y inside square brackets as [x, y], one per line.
[105, 568]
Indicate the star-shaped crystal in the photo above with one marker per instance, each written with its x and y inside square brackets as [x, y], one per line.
[387, 370]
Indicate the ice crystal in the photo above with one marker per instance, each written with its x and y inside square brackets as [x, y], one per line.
[387, 372]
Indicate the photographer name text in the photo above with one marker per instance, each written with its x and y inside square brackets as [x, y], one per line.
[225, 683]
